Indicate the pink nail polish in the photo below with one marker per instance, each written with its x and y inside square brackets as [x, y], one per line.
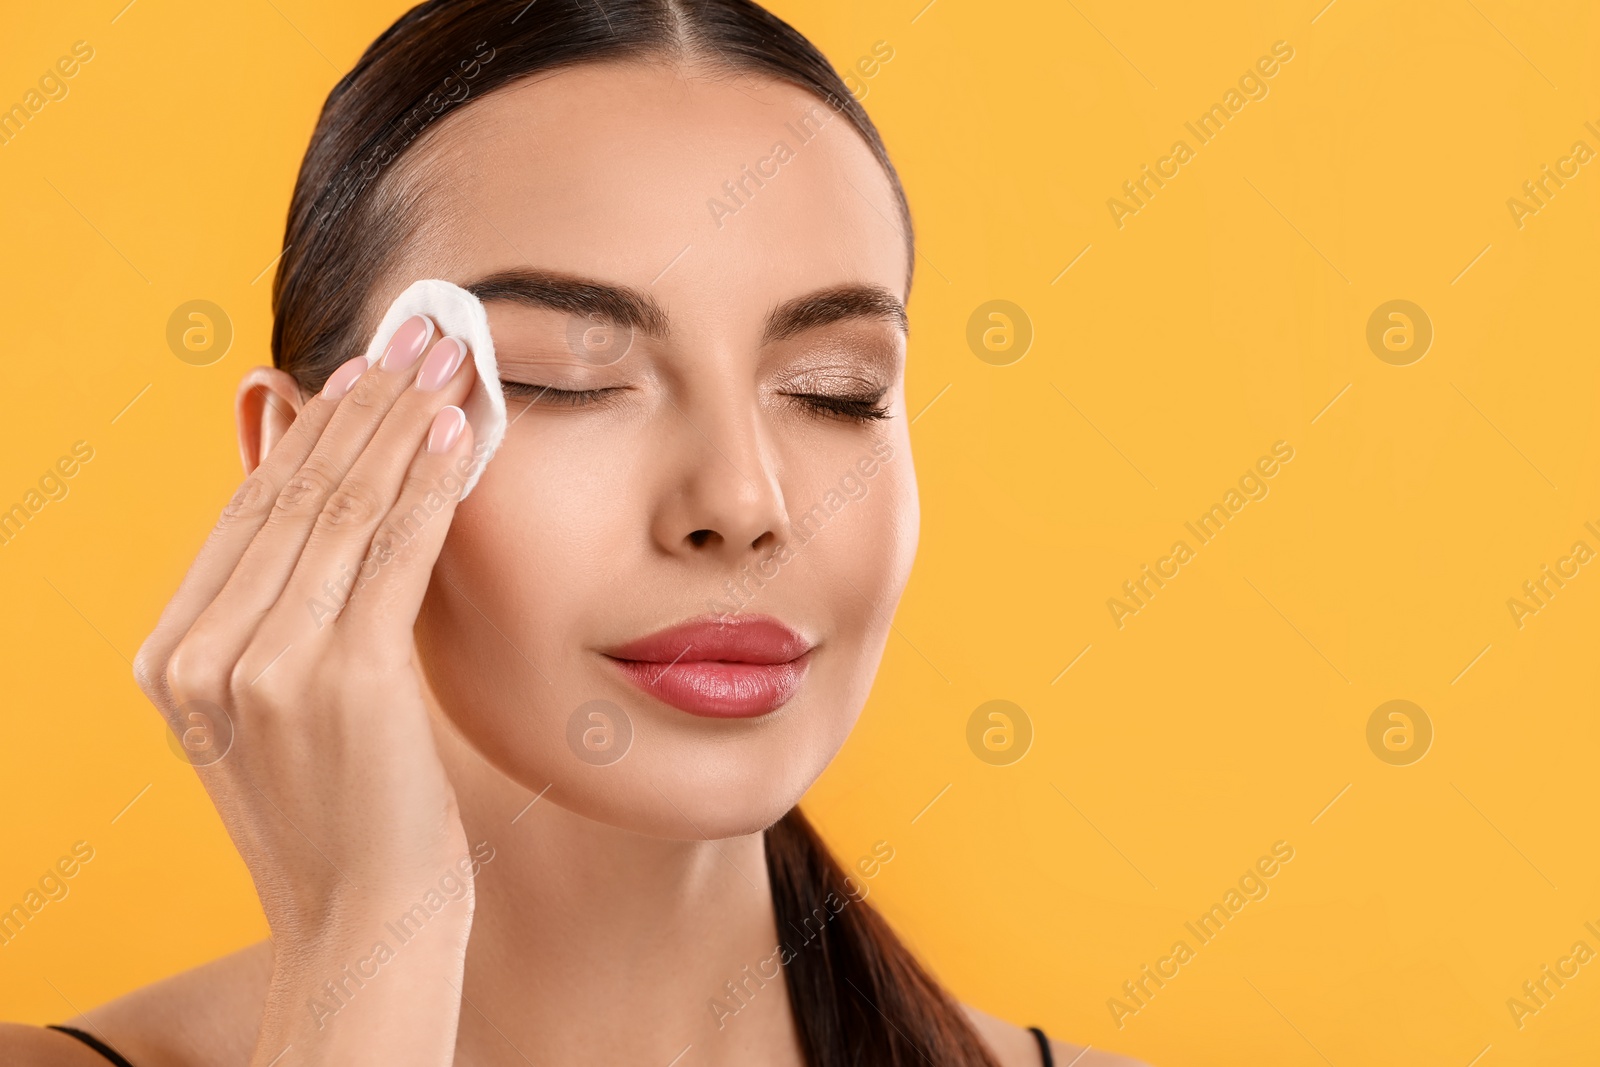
[340, 381]
[446, 430]
[441, 363]
[407, 343]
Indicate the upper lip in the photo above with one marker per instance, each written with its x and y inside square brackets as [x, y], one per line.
[726, 639]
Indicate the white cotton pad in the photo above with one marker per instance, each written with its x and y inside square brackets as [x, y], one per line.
[459, 314]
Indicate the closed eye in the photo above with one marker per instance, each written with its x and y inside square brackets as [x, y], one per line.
[856, 408]
[544, 394]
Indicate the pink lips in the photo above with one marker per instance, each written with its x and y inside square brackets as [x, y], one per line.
[724, 668]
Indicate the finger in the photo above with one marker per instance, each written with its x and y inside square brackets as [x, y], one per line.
[240, 521]
[338, 549]
[284, 507]
[383, 605]
[235, 528]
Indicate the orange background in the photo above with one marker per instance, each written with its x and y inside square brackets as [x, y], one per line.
[1228, 313]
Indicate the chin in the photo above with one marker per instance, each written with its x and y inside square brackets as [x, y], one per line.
[675, 787]
[652, 769]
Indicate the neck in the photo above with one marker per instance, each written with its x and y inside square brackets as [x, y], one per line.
[593, 944]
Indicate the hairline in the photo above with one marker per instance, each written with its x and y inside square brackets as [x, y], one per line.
[398, 193]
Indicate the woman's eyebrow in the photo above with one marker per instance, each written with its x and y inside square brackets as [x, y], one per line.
[638, 309]
[827, 306]
[620, 304]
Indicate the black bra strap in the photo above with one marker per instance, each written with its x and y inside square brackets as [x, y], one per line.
[1044, 1046]
[95, 1043]
[117, 1058]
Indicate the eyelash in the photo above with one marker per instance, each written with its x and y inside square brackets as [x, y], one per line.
[853, 408]
[559, 397]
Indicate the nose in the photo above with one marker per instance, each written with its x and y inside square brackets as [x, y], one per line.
[721, 495]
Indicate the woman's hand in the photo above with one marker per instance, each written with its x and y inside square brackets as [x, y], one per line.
[290, 641]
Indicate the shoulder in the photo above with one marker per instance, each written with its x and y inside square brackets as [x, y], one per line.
[44, 1048]
[1014, 1046]
[208, 1015]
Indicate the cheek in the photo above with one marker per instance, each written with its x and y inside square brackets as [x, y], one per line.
[536, 546]
[858, 563]
[529, 555]
[866, 552]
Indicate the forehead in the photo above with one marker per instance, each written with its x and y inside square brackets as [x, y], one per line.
[721, 193]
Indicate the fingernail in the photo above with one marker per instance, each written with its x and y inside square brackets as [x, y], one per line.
[446, 430]
[340, 381]
[407, 343]
[441, 364]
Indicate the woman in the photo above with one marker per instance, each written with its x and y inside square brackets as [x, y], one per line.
[653, 614]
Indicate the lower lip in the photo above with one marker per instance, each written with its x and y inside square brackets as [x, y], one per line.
[718, 690]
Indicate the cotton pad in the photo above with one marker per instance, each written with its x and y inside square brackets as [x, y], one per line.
[459, 314]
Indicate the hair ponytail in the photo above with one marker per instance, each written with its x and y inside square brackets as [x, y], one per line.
[858, 994]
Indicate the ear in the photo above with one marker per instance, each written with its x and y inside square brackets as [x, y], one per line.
[268, 402]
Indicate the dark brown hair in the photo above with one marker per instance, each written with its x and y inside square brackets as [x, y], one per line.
[857, 994]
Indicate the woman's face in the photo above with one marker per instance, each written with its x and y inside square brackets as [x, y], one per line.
[730, 469]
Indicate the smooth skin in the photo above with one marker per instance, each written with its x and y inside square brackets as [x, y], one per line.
[380, 754]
